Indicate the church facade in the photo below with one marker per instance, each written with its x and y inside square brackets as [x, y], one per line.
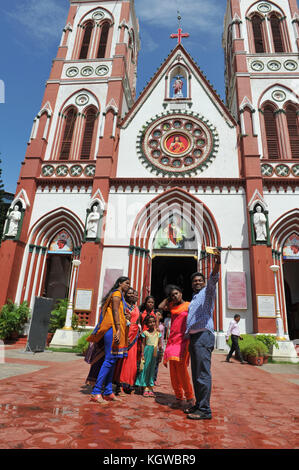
[142, 187]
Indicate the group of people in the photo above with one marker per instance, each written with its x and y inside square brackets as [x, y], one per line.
[130, 342]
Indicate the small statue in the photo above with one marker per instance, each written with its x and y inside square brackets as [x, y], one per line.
[178, 86]
[92, 223]
[260, 221]
[14, 218]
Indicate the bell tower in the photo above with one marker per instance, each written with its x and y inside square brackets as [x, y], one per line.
[72, 149]
[261, 54]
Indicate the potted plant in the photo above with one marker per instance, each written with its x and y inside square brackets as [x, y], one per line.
[13, 318]
[270, 341]
[255, 352]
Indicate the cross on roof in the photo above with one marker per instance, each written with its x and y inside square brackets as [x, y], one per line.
[180, 35]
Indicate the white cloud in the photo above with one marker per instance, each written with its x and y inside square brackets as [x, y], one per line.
[42, 19]
[200, 15]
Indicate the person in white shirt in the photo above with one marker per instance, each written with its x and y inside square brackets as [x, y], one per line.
[234, 332]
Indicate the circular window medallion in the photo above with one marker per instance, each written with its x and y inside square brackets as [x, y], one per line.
[279, 95]
[177, 144]
[282, 170]
[72, 72]
[274, 65]
[87, 71]
[267, 170]
[102, 70]
[62, 170]
[48, 170]
[90, 170]
[264, 7]
[295, 170]
[257, 65]
[98, 15]
[290, 65]
[76, 170]
[82, 99]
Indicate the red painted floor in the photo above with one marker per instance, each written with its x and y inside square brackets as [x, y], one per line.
[50, 409]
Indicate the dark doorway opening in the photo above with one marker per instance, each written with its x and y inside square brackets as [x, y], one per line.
[291, 277]
[57, 276]
[172, 270]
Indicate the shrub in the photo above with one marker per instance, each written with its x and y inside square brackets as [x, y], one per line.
[82, 344]
[13, 318]
[256, 349]
[268, 340]
[58, 317]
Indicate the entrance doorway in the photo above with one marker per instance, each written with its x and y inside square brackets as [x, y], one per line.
[175, 270]
[291, 278]
[57, 276]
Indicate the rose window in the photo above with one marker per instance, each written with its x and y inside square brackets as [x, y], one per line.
[177, 144]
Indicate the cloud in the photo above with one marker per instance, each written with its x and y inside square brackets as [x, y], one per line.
[200, 15]
[41, 19]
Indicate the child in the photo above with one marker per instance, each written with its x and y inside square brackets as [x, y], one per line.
[234, 331]
[151, 342]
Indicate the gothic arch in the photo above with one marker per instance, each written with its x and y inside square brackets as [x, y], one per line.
[146, 225]
[34, 260]
[280, 231]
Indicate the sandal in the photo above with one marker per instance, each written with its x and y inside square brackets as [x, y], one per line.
[151, 394]
[146, 394]
[98, 399]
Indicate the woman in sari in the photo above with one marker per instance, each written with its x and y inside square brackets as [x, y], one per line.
[111, 338]
[126, 369]
[176, 352]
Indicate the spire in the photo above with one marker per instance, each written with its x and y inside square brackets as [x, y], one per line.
[180, 35]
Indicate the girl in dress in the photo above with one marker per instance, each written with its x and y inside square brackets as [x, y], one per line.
[151, 343]
[176, 352]
[126, 368]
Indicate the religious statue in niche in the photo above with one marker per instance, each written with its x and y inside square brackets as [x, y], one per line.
[93, 223]
[14, 218]
[260, 224]
[178, 87]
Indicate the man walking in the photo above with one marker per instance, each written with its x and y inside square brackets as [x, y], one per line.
[234, 332]
[200, 329]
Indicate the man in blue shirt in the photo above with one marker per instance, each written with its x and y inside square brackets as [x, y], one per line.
[200, 330]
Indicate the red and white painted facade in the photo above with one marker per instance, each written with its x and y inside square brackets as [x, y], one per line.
[133, 187]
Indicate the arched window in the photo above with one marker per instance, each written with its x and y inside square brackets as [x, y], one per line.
[277, 34]
[292, 120]
[271, 132]
[258, 35]
[68, 134]
[86, 40]
[91, 116]
[103, 41]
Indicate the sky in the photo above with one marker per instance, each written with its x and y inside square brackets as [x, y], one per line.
[30, 34]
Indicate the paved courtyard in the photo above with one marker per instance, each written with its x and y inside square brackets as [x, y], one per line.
[45, 405]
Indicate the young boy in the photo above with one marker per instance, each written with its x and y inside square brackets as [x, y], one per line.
[234, 332]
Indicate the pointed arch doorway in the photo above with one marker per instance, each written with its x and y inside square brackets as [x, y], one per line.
[58, 266]
[291, 283]
[285, 244]
[168, 243]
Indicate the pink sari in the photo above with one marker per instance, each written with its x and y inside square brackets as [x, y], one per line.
[177, 345]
